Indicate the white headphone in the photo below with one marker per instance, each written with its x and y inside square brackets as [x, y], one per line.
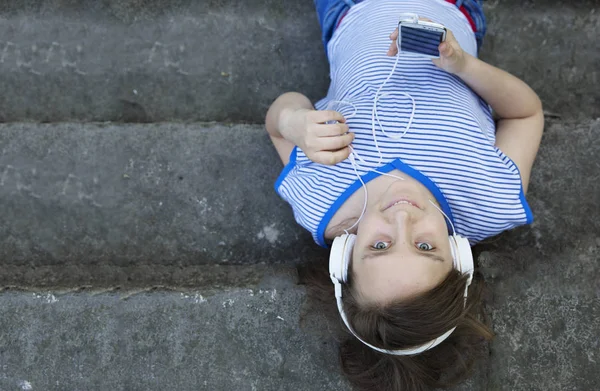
[339, 264]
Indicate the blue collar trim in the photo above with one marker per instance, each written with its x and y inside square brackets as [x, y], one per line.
[396, 164]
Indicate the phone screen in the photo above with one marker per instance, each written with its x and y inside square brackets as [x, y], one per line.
[416, 40]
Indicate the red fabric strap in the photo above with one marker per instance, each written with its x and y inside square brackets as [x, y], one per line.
[466, 13]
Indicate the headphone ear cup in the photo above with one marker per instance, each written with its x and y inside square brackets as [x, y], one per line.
[462, 254]
[340, 256]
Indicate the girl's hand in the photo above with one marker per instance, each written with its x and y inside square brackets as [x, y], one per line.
[452, 57]
[321, 142]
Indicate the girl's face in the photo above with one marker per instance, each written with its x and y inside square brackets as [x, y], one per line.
[402, 246]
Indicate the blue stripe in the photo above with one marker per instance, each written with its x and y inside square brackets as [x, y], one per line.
[286, 169]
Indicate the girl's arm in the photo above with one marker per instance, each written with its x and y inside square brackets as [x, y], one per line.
[509, 96]
[322, 135]
[287, 102]
[519, 109]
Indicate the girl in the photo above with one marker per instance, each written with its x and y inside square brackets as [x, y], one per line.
[403, 165]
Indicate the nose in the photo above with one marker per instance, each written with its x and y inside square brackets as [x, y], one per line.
[401, 220]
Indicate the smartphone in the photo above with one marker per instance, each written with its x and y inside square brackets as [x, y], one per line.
[421, 37]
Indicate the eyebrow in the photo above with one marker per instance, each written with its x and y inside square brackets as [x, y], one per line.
[428, 255]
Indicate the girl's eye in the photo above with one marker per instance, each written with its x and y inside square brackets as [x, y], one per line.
[423, 246]
[379, 245]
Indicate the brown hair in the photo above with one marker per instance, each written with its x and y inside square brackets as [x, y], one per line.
[406, 324]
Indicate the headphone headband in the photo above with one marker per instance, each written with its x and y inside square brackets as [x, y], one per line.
[339, 264]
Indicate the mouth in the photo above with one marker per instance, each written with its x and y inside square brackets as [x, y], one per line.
[402, 201]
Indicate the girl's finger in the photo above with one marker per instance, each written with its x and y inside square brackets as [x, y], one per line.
[449, 36]
[393, 50]
[323, 116]
[331, 130]
[446, 49]
[335, 143]
[331, 158]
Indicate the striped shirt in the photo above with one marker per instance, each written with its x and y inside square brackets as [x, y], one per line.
[449, 147]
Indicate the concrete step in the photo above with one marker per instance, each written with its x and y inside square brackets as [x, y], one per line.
[102, 199]
[264, 338]
[243, 339]
[157, 204]
[157, 61]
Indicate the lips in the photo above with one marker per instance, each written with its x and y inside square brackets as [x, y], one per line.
[400, 201]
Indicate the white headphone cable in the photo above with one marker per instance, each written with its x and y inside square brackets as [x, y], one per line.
[375, 117]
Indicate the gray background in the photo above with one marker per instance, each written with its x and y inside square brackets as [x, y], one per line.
[143, 246]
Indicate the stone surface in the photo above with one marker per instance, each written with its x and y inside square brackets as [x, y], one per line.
[547, 340]
[551, 45]
[242, 340]
[98, 198]
[155, 60]
[157, 256]
[104, 200]
[252, 339]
